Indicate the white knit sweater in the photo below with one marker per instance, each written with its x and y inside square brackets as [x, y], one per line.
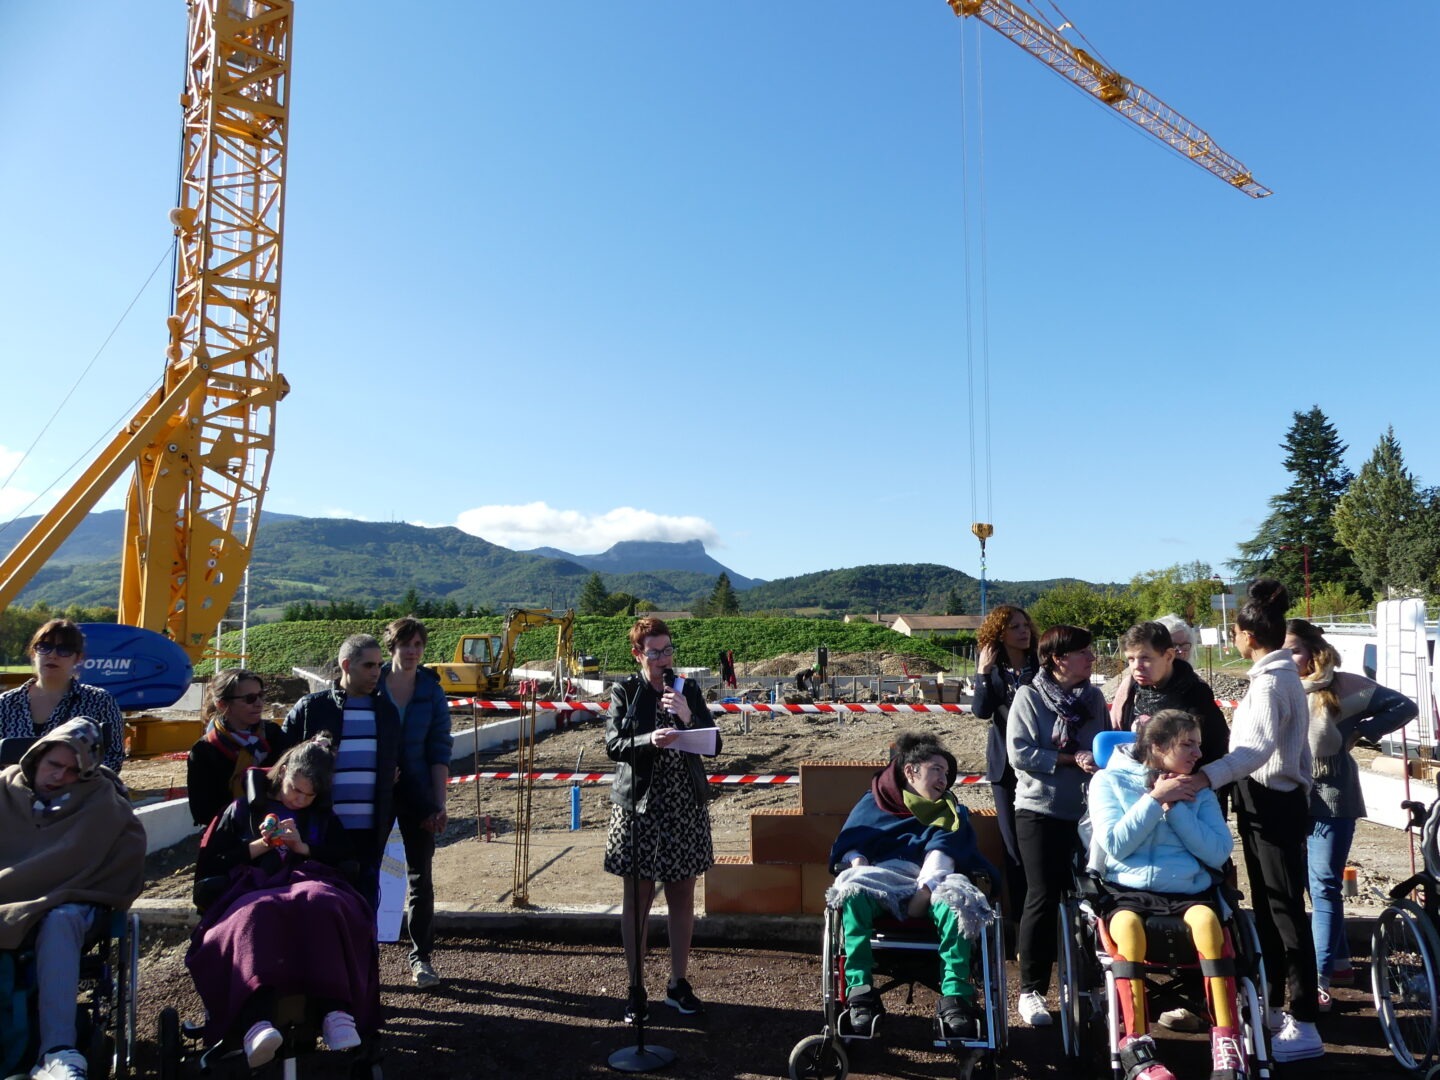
[1269, 736]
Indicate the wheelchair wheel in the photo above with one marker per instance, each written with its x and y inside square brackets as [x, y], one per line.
[1075, 974]
[1403, 975]
[167, 1039]
[819, 1057]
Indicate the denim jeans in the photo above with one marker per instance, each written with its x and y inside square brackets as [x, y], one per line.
[1328, 849]
[58, 946]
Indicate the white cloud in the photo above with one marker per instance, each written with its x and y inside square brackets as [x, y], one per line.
[540, 525]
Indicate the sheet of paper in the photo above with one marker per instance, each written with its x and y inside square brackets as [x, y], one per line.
[695, 740]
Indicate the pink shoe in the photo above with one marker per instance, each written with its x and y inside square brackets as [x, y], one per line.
[1226, 1055]
[1137, 1058]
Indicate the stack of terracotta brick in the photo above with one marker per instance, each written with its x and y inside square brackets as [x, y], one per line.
[787, 871]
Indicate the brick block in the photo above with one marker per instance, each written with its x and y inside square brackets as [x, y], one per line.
[735, 886]
[791, 835]
[834, 787]
[814, 880]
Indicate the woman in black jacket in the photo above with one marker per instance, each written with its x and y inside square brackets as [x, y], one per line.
[237, 738]
[1007, 661]
[659, 820]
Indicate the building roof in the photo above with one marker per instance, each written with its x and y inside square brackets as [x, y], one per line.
[941, 622]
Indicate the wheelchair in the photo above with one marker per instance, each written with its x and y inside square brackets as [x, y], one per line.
[184, 1053]
[109, 970]
[1405, 955]
[1091, 1018]
[105, 1006]
[906, 952]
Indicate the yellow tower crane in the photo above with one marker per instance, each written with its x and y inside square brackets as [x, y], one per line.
[201, 444]
[1134, 102]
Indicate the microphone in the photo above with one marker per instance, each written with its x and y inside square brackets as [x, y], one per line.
[668, 678]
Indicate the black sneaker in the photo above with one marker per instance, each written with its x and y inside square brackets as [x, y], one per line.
[682, 998]
[864, 1011]
[956, 1017]
[636, 1008]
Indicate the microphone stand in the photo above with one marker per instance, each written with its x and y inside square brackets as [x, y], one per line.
[638, 1058]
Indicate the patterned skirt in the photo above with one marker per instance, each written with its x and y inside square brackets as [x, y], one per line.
[670, 841]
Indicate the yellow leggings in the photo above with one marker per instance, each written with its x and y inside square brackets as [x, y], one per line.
[1127, 930]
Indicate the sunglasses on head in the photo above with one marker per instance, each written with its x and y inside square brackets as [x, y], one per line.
[44, 648]
[248, 699]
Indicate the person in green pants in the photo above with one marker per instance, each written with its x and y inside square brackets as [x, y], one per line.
[902, 851]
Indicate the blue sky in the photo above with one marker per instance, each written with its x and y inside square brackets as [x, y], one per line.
[569, 274]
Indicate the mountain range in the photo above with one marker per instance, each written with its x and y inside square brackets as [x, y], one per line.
[318, 559]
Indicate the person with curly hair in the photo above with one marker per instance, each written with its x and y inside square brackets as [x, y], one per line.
[1007, 660]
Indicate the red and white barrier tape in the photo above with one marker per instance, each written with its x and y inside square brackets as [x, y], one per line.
[728, 707]
[606, 778]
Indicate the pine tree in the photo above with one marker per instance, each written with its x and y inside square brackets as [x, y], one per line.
[723, 600]
[594, 597]
[954, 605]
[1302, 516]
[1372, 516]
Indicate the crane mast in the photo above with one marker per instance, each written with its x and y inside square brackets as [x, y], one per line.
[1130, 100]
[201, 444]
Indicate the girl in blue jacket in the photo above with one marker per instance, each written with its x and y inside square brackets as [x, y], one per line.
[1160, 851]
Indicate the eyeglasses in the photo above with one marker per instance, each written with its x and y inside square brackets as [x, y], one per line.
[248, 699]
[659, 654]
[44, 648]
[1086, 653]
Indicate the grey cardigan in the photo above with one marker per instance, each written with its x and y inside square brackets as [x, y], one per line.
[1043, 786]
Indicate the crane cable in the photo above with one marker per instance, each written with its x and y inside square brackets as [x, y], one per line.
[977, 278]
[169, 250]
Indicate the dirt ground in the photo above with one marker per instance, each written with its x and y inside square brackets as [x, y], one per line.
[548, 1008]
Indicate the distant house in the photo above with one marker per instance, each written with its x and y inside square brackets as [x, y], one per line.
[928, 626]
[883, 620]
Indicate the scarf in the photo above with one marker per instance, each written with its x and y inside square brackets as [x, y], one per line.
[1326, 741]
[245, 750]
[939, 812]
[1065, 704]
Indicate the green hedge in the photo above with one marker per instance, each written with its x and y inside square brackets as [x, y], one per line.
[274, 648]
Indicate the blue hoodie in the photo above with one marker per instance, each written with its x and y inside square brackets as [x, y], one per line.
[1138, 845]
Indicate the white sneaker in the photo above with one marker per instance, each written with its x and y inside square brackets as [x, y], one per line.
[61, 1065]
[1296, 1040]
[262, 1043]
[339, 1029]
[1032, 1009]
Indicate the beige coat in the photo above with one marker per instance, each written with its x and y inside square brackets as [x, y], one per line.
[88, 849]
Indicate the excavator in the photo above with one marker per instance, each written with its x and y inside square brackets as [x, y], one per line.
[483, 662]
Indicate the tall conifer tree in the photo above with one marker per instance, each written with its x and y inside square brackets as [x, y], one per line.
[1302, 516]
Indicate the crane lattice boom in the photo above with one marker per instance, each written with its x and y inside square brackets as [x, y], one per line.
[1130, 100]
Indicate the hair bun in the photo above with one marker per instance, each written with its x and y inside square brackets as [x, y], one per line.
[1269, 593]
[324, 742]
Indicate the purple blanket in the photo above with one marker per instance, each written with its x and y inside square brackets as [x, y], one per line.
[300, 930]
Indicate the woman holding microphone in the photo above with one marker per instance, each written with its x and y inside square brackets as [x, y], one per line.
[659, 820]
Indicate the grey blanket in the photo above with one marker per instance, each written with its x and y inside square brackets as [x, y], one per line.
[894, 883]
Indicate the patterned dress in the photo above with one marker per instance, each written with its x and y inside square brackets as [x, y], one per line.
[670, 841]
